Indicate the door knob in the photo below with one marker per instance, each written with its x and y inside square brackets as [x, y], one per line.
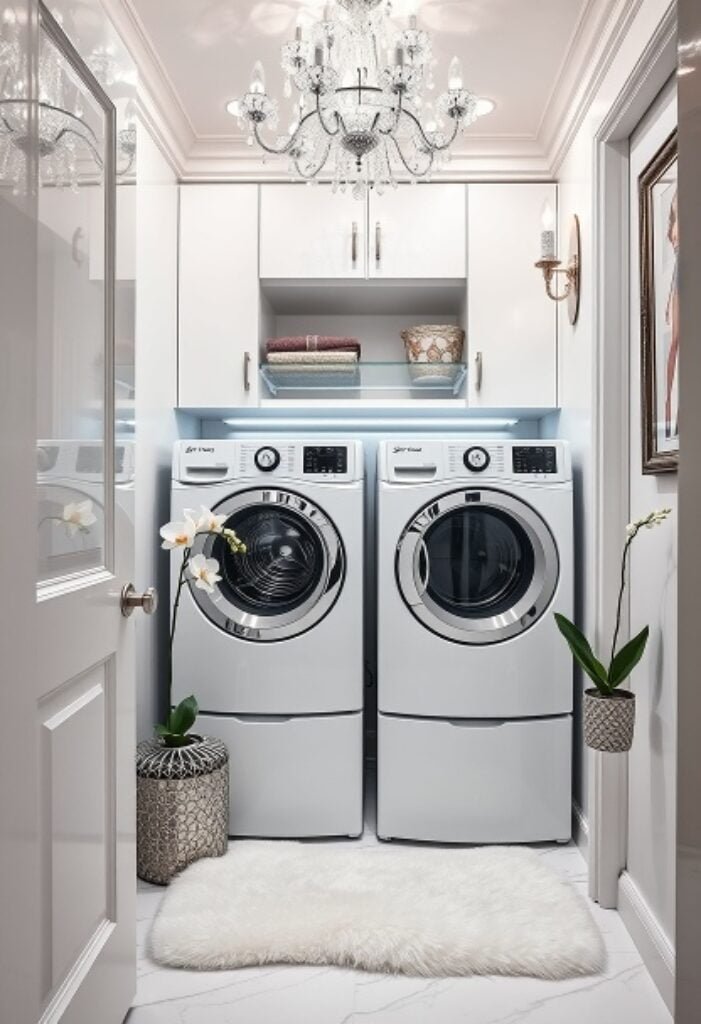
[131, 600]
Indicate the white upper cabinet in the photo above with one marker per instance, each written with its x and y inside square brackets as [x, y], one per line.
[417, 231]
[219, 301]
[512, 324]
[311, 232]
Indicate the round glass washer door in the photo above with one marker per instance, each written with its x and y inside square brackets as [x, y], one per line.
[477, 567]
[290, 575]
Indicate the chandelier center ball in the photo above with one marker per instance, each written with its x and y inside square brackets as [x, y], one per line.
[360, 143]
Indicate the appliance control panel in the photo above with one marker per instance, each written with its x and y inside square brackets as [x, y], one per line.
[534, 459]
[325, 459]
[487, 459]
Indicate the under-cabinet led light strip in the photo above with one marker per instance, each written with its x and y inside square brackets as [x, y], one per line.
[368, 423]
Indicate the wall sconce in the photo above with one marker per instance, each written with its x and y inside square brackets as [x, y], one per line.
[551, 266]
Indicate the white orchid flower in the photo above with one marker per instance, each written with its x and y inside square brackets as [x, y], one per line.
[648, 521]
[78, 515]
[205, 572]
[207, 520]
[179, 535]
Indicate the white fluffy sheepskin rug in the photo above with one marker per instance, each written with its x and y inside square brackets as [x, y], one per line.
[431, 912]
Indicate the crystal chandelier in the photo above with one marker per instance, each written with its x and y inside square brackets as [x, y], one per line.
[362, 116]
[62, 137]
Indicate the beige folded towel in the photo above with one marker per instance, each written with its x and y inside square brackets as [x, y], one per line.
[311, 358]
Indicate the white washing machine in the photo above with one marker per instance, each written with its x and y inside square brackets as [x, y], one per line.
[474, 680]
[275, 654]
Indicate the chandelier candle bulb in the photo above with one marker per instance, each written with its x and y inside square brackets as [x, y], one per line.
[547, 234]
[399, 57]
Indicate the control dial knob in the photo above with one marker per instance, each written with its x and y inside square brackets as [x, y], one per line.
[267, 459]
[476, 459]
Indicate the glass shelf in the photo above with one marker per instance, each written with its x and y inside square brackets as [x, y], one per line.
[366, 380]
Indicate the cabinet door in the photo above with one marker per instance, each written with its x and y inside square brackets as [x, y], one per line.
[219, 302]
[511, 323]
[311, 232]
[418, 231]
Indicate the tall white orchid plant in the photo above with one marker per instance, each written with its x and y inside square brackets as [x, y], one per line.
[202, 573]
[621, 663]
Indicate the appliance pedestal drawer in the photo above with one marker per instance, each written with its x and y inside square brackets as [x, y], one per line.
[292, 775]
[474, 781]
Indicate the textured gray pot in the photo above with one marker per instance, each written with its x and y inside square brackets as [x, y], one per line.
[609, 721]
[182, 806]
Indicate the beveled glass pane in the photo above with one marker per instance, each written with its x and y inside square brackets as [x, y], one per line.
[74, 351]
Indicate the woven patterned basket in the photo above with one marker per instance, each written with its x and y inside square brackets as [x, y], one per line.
[182, 806]
[433, 343]
[609, 721]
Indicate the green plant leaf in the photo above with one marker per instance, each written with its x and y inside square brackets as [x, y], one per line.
[183, 716]
[161, 730]
[582, 652]
[628, 657]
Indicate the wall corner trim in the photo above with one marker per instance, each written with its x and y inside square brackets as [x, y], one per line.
[654, 946]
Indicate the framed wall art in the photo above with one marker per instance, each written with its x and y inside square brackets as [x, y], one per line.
[659, 309]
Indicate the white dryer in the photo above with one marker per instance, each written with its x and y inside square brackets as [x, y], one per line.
[275, 654]
[474, 681]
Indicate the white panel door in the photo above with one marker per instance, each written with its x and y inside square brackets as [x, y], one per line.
[219, 301]
[311, 232]
[417, 231]
[511, 323]
[68, 846]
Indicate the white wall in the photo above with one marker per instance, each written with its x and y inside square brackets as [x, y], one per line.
[653, 601]
[578, 383]
[156, 425]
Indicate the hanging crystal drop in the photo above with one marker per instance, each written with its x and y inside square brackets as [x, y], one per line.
[249, 140]
[287, 88]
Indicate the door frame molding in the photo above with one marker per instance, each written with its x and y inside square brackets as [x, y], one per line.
[608, 810]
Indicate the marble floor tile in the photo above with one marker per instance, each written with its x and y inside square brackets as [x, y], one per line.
[328, 995]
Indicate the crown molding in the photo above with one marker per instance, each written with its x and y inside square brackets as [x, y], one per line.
[216, 158]
[595, 44]
[160, 106]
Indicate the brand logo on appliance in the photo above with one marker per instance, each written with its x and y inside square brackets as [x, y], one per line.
[196, 448]
[398, 449]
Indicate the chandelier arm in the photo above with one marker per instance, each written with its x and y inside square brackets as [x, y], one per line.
[413, 173]
[290, 142]
[431, 145]
[321, 118]
[312, 174]
[397, 111]
[88, 142]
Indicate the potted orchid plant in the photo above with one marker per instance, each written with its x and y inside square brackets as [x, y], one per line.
[609, 710]
[200, 572]
[183, 778]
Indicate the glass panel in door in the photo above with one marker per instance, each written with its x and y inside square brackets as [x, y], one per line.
[74, 371]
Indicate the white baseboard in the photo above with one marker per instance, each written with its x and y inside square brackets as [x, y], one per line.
[580, 829]
[653, 944]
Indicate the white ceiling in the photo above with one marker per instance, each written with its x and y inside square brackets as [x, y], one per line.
[514, 51]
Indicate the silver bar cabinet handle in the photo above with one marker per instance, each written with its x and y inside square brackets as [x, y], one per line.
[478, 371]
[247, 371]
[354, 245]
[378, 244]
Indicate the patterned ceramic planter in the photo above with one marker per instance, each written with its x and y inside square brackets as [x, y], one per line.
[609, 721]
[182, 806]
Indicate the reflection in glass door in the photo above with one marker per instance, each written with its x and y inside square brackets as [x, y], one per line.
[75, 315]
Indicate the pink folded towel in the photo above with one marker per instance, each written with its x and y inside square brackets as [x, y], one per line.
[313, 343]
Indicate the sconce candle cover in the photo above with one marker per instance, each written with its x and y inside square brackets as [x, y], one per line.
[547, 234]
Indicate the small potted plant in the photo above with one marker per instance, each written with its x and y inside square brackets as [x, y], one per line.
[182, 777]
[609, 710]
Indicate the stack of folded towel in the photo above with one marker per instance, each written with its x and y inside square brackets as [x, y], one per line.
[328, 359]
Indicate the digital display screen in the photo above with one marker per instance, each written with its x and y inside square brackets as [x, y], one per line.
[534, 459]
[325, 459]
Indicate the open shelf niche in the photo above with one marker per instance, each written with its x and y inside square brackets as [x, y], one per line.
[375, 312]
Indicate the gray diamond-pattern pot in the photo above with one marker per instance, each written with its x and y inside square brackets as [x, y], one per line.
[182, 806]
[609, 721]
